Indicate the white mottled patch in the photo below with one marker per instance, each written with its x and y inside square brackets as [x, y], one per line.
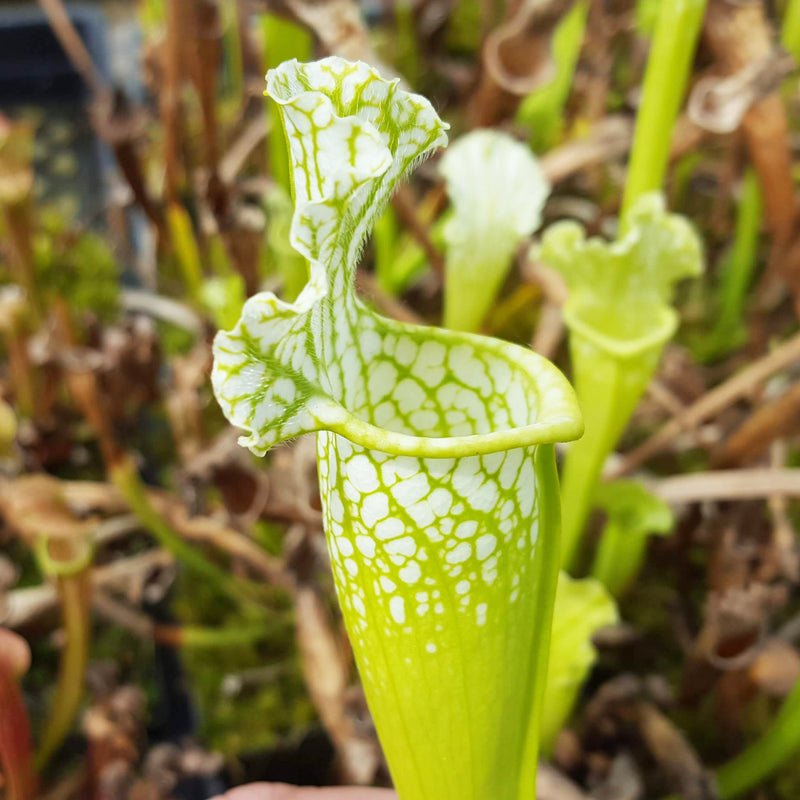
[440, 501]
[408, 395]
[397, 608]
[389, 529]
[486, 497]
[374, 507]
[366, 546]
[381, 381]
[363, 474]
[466, 530]
[345, 546]
[410, 573]
[424, 420]
[405, 546]
[485, 546]
[527, 488]
[421, 513]
[458, 554]
[336, 508]
[406, 351]
[411, 490]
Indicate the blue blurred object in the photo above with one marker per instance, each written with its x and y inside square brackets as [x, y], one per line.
[39, 84]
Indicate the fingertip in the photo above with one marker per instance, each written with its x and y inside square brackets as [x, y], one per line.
[15, 652]
[259, 791]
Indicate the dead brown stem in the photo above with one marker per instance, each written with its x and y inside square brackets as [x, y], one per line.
[121, 126]
[516, 59]
[251, 59]
[610, 139]
[384, 302]
[728, 485]
[243, 146]
[112, 117]
[82, 384]
[774, 419]
[326, 669]
[86, 496]
[674, 754]
[203, 51]
[719, 104]
[554, 785]
[713, 403]
[549, 330]
[740, 35]
[25, 606]
[19, 225]
[169, 99]
[782, 558]
[209, 531]
[340, 28]
[406, 208]
[70, 40]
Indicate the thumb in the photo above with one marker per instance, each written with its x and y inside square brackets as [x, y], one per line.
[281, 791]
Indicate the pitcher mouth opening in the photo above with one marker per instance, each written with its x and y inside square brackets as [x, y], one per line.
[550, 406]
[653, 325]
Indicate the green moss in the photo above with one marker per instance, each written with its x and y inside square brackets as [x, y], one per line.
[270, 700]
[269, 536]
[464, 27]
[77, 266]
[174, 341]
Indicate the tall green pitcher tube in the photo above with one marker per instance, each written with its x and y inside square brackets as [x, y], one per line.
[435, 454]
[619, 318]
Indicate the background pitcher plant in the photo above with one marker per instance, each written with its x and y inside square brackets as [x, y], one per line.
[619, 318]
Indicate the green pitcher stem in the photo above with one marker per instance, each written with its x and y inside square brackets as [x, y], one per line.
[632, 515]
[763, 757]
[790, 28]
[738, 266]
[74, 593]
[579, 477]
[542, 111]
[739, 270]
[581, 608]
[548, 567]
[609, 386]
[125, 478]
[619, 318]
[187, 253]
[668, 68]
[619, 556]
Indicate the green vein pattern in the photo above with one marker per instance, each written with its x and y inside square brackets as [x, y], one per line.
[436, 464]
